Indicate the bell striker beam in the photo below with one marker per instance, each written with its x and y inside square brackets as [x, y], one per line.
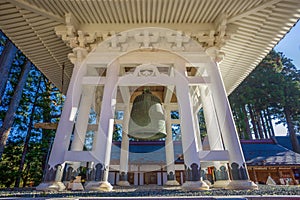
[240, 177]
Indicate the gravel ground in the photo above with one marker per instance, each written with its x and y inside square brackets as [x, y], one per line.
[153, 191]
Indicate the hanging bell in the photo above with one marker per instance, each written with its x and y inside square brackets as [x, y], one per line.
[147, 120]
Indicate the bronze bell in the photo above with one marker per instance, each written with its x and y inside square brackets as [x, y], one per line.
[147, 121]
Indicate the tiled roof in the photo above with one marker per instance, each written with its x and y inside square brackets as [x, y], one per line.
[269, 154]
[257, 153]
[285, 141]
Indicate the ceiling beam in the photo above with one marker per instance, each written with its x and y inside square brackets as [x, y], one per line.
[186, 27]
[253, 10]
[27, 6]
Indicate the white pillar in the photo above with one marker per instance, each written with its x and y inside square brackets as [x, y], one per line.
[123, 181]
[82, 118]
[65, 126]
[81, 125]
[197, 131]
[169, 149]
[228, 130]
[189, 146]
[102, 141]
[214, 136]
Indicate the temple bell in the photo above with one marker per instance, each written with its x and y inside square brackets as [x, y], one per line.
[147, 121]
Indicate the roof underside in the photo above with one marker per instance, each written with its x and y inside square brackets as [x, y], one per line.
[260, 25]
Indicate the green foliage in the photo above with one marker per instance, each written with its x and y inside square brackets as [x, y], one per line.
[117, 134]
[265, 95]
[9, 163]
[48, 101]
[202, 126]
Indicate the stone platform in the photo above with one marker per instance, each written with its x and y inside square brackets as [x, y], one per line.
[151, 192]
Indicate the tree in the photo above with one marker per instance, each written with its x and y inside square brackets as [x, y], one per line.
[6, 60]
[270, 92]
[9, 117]
[28, 135]
[290, 99]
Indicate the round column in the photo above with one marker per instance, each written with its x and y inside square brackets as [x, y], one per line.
[123, 177]
[66, 123]
[169, 149]
[81, 125]
[189, 146]
[240, 177]
[103, 138]
[214, 137]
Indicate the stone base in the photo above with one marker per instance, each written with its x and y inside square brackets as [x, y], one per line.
[207, 183]
[241, 185]
[75, 186]
[51, 186]
[123, 183]
[195, 185]
[221, 183]
[172, 183]
[99, 186]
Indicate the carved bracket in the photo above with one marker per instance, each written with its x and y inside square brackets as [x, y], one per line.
[215, 37]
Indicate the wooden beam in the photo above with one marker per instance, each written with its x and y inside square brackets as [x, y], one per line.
[48, 126]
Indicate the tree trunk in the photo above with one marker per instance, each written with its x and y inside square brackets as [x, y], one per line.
[27, 139]
[6, 60]
[241, 123]
[266, 120]
[290, 126]
[47, 135]
[237, 122]
[258, 122]
[9, 117]
[246, 121]
[26, 176]
[270, 123]
[263, 123]
[253, 122]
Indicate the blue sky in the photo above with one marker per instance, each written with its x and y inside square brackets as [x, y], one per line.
[290, 45]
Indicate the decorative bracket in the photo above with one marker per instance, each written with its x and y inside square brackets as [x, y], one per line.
[215, 37]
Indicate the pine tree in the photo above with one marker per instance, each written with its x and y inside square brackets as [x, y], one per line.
[28, 135]
[290, 99]
[6, 60]
[9, 117]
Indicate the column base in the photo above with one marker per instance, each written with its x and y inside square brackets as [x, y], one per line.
[123, 183]
[221, 184]
[55, 186]
[99, 186]
[172, 183]
[241, 185]
[207, 183]
[195, 185]
[75, 186]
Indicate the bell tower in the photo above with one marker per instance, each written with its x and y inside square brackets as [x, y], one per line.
[104, 80]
